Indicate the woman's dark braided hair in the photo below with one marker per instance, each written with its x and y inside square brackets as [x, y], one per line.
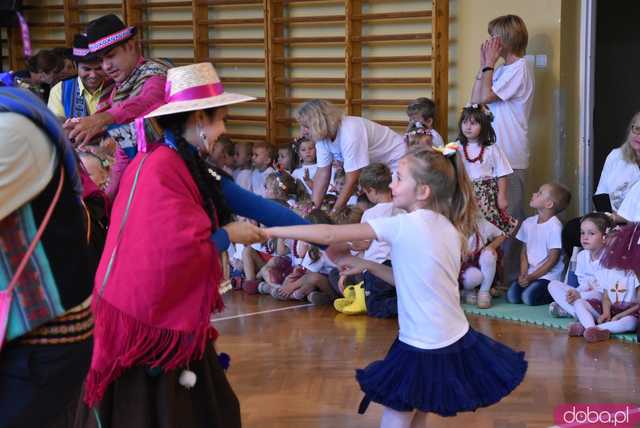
[210, 188]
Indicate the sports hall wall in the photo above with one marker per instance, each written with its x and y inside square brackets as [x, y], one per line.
[311, 62]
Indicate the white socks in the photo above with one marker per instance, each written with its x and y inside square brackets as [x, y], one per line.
[483, 277]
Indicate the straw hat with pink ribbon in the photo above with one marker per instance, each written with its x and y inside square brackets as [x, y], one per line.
[189, 88]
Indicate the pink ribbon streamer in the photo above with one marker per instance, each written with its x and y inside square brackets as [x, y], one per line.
[26, 38]
[194, 93]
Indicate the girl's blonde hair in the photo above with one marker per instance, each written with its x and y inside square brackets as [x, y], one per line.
[628, 154]
[321, 117]
[512, 32]
[452, 193]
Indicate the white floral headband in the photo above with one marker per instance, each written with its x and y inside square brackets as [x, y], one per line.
[482, 107]
[420, 129]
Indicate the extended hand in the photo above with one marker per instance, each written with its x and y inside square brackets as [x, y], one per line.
[245, 233]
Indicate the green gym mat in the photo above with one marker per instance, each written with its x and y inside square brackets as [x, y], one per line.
[538, 315]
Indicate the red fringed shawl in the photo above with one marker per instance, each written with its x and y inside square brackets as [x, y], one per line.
[155, 306]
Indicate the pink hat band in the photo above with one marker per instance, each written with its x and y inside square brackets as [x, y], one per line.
[194, 93]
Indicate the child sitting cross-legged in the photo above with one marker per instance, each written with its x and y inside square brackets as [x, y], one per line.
[268, 260]
[615, 312]
[310, 280]
[540, 260]
[593, 234]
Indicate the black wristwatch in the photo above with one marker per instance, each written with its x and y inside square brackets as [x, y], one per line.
[487, 69]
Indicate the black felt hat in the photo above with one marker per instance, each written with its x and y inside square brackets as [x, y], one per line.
[80, 51]
[107, 32]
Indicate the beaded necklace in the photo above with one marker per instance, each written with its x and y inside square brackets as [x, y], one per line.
[477, 158]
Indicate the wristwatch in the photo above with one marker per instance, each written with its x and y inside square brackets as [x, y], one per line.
[487, 69]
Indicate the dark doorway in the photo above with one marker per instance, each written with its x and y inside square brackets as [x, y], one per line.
[617, 76]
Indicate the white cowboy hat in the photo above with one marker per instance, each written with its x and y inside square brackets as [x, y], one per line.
[195, 87]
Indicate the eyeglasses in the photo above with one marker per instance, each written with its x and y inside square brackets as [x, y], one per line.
[635, 129]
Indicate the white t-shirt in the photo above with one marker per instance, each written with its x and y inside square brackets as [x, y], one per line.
[620, 285]
[323, 265]
[359, 143]
[436, 139]
[487, 232]
[539, 239]
[514, 85]
[298, 174]
[630, 206]
[586, 270]
[258, 178]
[425, 254]
[242, 177]
[378, 251]
[494, 162]
[617, 178]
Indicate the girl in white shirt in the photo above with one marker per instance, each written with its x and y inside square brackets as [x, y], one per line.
[616, 311]
[480, 263]
[307, 170]
[487, 165]
[438, 363]
[593, 233]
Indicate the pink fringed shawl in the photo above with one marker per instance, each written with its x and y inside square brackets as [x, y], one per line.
[155, 306]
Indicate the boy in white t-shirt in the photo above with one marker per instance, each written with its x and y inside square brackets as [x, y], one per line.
[262, 159]
[540, 234]
[381, 297]
[242, 161]
[374, 182]
[423, 111]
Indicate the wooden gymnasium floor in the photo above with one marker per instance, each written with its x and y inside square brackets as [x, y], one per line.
[293, 366]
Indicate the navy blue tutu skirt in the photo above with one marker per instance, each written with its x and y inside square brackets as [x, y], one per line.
[474, 372]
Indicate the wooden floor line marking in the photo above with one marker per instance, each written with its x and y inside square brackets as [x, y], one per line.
[261, 312]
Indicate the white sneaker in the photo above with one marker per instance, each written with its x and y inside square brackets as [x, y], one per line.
[556, 311]
[264, 288]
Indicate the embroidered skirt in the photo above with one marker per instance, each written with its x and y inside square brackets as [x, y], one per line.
[487, 198]
[146, 398]
[476, 371]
